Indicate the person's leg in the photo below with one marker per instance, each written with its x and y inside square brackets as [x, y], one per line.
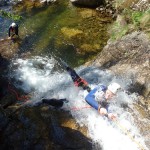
[78, 81]
[84, 85]
[73, 74]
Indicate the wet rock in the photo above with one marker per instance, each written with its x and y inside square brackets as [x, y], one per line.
[3, 119]
[107, 9]
[141, 5]
[88, 3]
[47, 1]
[38, 128]
[9, 47]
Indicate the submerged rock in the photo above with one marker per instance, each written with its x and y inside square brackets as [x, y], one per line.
[70, 32]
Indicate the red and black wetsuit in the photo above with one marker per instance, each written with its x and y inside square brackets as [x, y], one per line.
[78, 81]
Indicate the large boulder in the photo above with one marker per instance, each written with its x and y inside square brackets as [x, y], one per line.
[88, 3]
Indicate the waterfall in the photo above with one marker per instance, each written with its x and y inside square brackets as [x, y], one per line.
[43, 77]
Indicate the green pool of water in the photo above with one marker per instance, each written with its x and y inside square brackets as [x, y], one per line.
[71, 33]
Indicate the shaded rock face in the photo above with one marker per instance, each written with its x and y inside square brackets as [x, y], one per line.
[130, 57]
[41, 128]
[88, 3]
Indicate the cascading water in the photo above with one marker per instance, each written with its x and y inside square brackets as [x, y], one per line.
[43, 77]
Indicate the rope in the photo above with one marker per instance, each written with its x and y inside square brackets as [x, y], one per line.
[21, 98]
[118, 125]
[79, 108]
[129, 134]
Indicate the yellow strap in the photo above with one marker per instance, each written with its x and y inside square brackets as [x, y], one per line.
[129, 134]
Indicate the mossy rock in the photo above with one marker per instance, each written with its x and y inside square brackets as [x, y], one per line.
[87, 13]
[88, 48]
[27, 5]
[70, 32]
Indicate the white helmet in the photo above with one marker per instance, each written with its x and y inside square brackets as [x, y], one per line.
[13, 24]
[113, 87]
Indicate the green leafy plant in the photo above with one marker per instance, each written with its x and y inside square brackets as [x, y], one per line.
[135, 21]
[136, 17]
[10, 15]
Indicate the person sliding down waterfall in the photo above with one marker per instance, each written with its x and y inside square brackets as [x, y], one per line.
[100, 97]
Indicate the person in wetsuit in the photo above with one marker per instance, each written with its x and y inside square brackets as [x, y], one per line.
[100, 97]
[13, 30]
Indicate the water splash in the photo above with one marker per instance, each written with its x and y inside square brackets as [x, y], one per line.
[37, 75]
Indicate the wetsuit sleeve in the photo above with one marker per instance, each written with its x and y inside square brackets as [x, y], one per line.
[90, 99]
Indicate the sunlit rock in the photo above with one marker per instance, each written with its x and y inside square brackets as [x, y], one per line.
[129, 57]
[47, 1]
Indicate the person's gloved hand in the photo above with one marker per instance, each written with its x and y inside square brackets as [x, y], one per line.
[103, 111]
[112, 116]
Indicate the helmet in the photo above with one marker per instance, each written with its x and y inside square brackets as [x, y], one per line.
[113, 87]
[13, 24]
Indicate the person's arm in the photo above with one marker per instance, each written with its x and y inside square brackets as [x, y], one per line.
[90, 99]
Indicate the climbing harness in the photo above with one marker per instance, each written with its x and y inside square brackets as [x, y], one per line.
[80, 81]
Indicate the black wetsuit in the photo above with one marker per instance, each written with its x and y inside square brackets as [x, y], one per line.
[13, 30]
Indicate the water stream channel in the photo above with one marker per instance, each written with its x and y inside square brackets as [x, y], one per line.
[75, 35]
[72, 33]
